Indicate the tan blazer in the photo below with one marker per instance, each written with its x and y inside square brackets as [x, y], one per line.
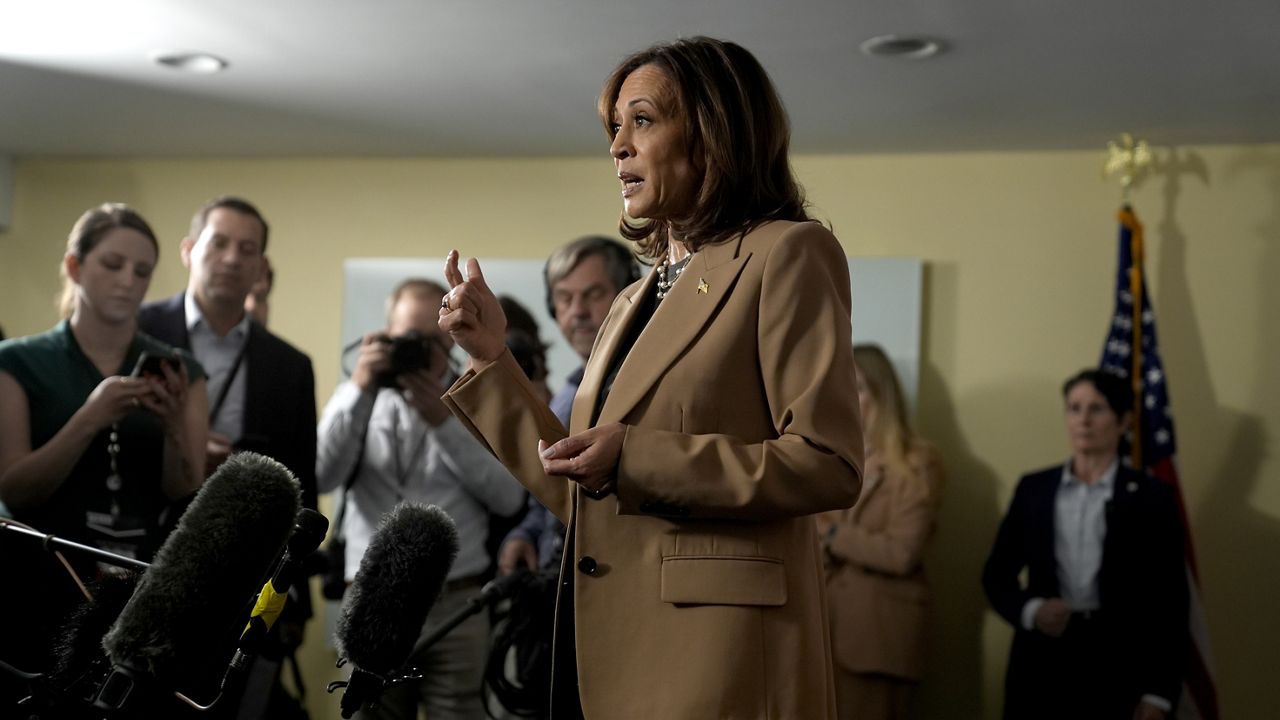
[876, 584]
[698, 582]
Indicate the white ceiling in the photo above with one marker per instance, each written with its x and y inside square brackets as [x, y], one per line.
[520, 77]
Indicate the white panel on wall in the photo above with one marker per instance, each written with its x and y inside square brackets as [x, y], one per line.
[887, 296]
[887, 299]
[368, 282]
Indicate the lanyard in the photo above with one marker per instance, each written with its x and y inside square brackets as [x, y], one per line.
[226, 387]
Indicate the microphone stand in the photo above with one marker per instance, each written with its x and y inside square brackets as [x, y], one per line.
[52, 543]
[493, 591]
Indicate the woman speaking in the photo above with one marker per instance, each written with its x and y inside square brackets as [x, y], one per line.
[716, 414]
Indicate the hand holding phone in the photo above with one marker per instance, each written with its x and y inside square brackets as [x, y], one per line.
[150, 365]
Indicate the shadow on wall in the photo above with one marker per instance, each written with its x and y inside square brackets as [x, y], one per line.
[953, 682]
[954, 685]
[1236, 543]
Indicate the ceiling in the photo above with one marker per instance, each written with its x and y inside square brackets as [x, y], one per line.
[465, 78]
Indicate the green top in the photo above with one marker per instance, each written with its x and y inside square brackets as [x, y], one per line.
[57, 378]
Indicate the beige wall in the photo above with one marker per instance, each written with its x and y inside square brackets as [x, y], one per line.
[1021, 257]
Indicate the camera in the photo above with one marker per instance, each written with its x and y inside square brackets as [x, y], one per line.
[409, 352]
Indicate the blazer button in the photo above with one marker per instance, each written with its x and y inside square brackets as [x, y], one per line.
[587, 565]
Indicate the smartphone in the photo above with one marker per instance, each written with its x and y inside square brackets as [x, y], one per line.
[150, 365]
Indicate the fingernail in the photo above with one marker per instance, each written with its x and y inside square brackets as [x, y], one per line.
[546, 449]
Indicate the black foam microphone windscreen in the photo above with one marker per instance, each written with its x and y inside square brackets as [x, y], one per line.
[79, 646]
[400, 577]
[182, 623]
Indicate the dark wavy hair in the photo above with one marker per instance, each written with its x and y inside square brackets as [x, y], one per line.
[737, 133]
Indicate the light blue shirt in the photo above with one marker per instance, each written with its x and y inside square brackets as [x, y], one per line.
[1079, 529]
[217, 355]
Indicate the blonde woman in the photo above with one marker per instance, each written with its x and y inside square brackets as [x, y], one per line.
[876, 590]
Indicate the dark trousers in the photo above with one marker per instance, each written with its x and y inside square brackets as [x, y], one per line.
[1077, 675]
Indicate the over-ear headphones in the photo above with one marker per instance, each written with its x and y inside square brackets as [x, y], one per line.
[619, 263]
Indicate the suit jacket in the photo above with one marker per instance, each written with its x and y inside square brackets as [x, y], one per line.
[280, 391]
[876, 585]
[697, 583]
[1142, 585]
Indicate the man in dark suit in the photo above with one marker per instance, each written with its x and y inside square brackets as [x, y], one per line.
[261, 388]
[1101, 623]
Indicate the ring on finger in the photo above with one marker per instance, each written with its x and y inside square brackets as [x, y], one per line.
[444, 302]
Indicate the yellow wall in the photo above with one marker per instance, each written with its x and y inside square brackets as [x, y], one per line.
[1021, 257]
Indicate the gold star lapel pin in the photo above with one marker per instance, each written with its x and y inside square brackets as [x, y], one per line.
[703, 287]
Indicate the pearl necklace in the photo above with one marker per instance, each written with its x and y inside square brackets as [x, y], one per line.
[669, 273]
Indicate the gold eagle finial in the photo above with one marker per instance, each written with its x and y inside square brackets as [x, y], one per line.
[1130, 158]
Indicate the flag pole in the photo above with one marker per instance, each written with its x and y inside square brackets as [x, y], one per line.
[1130, 158]
[1130, 221]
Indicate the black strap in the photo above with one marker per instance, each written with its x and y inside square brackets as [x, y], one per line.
[346, 488]
[226, 387]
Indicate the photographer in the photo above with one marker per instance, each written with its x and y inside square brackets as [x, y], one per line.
[387, 431]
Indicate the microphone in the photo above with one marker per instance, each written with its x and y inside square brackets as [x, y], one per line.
[179, 627]
[308, 533]
[399, 579]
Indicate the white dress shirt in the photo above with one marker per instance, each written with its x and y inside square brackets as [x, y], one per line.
[406, 458]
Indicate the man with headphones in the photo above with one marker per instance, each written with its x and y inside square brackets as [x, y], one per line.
[582, 279]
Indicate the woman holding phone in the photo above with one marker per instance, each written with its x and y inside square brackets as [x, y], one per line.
[90, 451]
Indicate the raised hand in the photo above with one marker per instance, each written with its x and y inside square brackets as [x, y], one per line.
[471, 314]
[374, 359]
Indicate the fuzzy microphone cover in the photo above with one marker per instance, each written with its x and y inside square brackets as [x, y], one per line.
[399, 579]
[184, 619]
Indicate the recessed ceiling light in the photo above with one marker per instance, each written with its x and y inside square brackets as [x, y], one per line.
[194, 62]
[909, 47]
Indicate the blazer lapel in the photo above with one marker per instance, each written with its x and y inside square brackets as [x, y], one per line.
[1122, 509]
[177, 320]
[255, 382]
[1045, 526]
[615, 329]
[687, 308]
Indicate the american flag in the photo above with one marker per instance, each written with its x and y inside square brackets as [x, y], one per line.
[1131, 352]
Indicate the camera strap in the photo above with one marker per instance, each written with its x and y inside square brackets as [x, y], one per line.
[338, 533]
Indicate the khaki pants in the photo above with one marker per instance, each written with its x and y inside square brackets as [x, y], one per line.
[452, 669]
